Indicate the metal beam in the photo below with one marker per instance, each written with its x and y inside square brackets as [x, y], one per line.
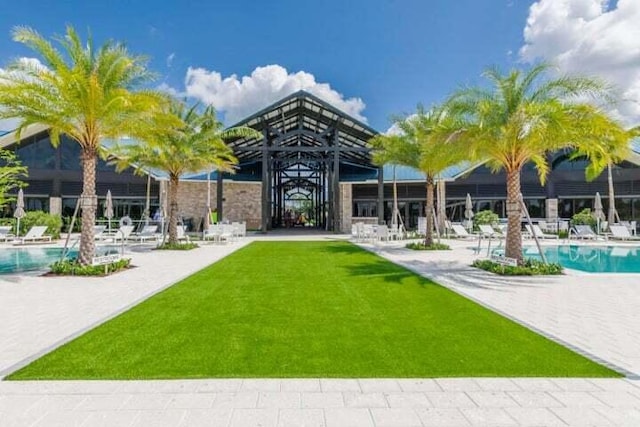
[380, 195]
[336, 183]
[266, 209]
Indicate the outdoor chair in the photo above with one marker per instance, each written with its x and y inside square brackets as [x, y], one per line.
[149, 232]
[34, 235]
[121, 233]
[99, 232]
[382, 233]
[488, 231]
[582, 232]
[462, 232]
[5, 233]
[537, 232]
[620, 232]
[182, 234]
[218, 233]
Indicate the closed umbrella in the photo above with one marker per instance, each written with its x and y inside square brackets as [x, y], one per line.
[468, 209]
[598, 211]
[108, 209]
[19, 212]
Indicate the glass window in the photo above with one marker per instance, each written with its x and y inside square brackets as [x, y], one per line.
[535, 207]
[69, 154]
[37, 155]
[498, 208]
[623, 206]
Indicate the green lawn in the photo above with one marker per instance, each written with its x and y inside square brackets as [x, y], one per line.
[308, 309]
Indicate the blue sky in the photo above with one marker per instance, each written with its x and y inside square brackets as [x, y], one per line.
[390, 54]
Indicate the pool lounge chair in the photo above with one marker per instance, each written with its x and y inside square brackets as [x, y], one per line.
[182, 234]
[121, 233]
[99, 232]
[149, 232]
[218, 233]
[583, 232]
[488, 231]
[5, 233]
[34, 235]
[620, 232]
[535, 230]
[462, 232]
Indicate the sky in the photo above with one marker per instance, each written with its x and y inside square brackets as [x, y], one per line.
[371, 58]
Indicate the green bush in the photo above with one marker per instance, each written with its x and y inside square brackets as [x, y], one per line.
[32, 218]
[486, 217]
[585, 217]
[71, 267]
[8, 221]
[531, 267]
[178, 246]
[420, 246]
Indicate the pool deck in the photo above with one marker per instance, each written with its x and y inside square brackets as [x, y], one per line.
[596, 314]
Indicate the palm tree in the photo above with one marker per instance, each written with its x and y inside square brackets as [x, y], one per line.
[425, 141]
[523, 117]
[194, 146]
[83, 92]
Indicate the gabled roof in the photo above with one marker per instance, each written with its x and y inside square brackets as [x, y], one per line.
[303, 120]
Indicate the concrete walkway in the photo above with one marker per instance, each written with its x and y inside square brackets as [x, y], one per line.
[592, 313]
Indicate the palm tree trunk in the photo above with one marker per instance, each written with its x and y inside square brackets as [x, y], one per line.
[611, 214]
[173, 209]
[514, 215]
[428, 239]
[89, 203]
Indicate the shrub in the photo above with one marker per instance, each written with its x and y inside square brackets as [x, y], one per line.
[31, 218]
[71, 267]
[486, 217]
[531, 267]
[585, 217]
[178, 246]
[420, 246]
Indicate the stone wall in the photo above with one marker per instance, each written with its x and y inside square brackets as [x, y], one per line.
[346, 208]
[242, 201]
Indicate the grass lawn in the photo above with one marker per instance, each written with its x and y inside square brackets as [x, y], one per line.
[308, 309]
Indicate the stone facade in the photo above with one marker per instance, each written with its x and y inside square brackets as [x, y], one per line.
[241, 201]
[346, 208]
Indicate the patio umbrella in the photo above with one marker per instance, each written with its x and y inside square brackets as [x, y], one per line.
[598, 212]
[19, 212]
[468, 209]
[108, 209]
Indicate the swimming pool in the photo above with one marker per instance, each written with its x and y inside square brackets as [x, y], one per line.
[592, 259]
[17, 260]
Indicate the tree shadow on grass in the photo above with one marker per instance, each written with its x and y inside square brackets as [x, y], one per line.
[381, 269]
[343, 248]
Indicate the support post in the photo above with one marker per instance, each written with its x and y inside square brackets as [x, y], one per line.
[219, 195]
[336, 183]
[380, 195]
[265, 184]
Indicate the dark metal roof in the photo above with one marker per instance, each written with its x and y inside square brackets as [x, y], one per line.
[302, 122]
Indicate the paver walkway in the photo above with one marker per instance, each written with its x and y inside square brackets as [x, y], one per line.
[331, 403]
[594, 314]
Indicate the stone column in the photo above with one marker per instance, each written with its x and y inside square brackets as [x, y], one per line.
[55, 205]
[346, 209]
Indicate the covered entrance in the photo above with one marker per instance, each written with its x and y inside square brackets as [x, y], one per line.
[308, 147]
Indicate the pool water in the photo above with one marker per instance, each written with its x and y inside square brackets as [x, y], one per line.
[16, 260]
[592, 259]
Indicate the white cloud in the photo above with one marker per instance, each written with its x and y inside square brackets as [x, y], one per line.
[239, 97]
[170, 59]
[590, 37]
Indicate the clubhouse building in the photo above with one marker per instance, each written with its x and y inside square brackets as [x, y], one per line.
[311, 167]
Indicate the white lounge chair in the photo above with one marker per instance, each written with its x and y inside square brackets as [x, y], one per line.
[149, 232]
[5, 233]
[218, 233]
[34, 235]
[182, 234]
[620, 232]
[462, 232]
[121, 233]
[99, 232]
[583, 232]
[537, 232]
[488, 231]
